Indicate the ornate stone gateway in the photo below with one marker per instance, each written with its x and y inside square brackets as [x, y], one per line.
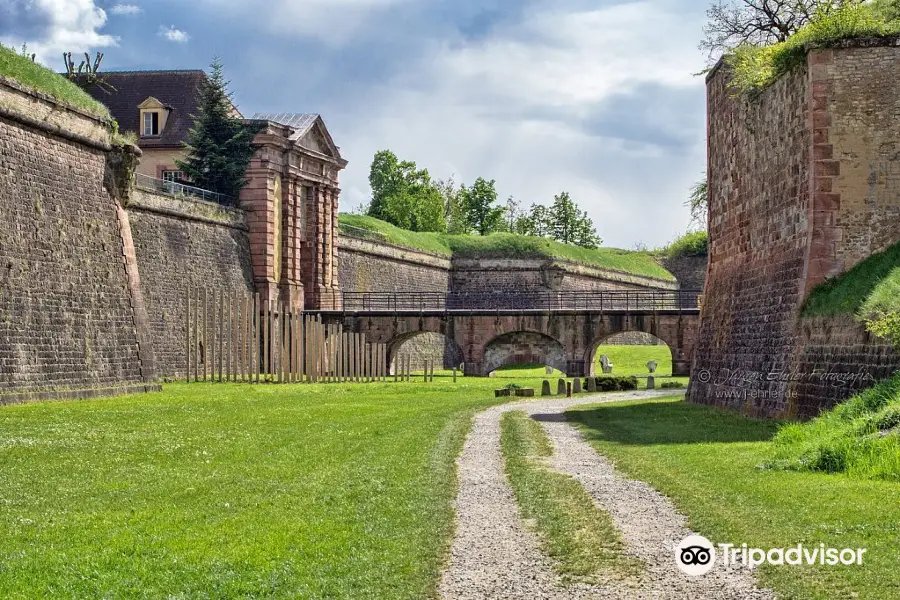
[292, 204]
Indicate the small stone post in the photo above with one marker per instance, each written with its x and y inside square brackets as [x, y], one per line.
[561, 387]
[651, 382]
[569, 389]
[576, 385]
[592, 384]
[545, 388]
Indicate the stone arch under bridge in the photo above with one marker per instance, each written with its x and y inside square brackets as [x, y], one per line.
[577, 332]
[523, 347]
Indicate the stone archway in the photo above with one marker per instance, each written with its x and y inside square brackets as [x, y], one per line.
[422, 346]
[524, 347]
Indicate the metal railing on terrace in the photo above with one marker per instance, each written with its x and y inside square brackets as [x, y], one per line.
[181, 190]
[637, 301]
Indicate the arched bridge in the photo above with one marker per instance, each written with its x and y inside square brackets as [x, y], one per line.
[560, 329]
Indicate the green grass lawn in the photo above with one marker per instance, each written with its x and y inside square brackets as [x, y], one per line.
[224, 490]
[505, 245]
[632, 360]
[709, 461]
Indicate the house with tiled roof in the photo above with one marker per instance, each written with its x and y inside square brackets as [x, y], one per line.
[156, 106]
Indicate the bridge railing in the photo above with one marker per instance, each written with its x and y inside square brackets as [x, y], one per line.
[615, 300]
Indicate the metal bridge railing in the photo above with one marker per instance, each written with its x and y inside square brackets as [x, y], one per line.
[178, 190]
[637, 300]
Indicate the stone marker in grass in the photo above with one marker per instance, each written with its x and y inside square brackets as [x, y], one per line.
[651, 382]
[576, 386]
[561, 388]
[592, 384]
[545, 388]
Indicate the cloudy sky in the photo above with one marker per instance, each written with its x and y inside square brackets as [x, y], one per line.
[595, 97]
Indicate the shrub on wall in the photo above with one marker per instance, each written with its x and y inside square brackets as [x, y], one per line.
[755, 67]
[693, 243]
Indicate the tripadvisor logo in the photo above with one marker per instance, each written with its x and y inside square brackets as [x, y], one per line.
[696, 555]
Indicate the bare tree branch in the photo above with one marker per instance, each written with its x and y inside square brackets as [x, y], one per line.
[731, 23]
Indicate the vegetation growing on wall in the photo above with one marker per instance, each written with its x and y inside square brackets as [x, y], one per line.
[757, 66]
[504, 245]
[692, 243]
[28, 73]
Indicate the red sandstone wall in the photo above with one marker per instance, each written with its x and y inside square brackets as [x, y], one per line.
[856, 113]
[183, 244]
[68, 318]
[759, 168]
[835, 358]
[804, 182]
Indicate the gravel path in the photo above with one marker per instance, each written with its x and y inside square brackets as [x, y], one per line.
[494, 555]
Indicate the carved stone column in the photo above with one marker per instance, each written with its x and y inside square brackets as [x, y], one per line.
[292, 291]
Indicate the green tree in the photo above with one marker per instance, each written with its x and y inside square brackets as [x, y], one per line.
[585, 234]
[454, 213]
[404, 195]
[698, 203]
[512, 215]
[564, 217]
[479, 201]
[569, 224]
[220, 144]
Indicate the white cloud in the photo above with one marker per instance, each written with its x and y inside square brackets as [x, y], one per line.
[63, 25]
[332, 22]
[558, 100]
[125, 9]
[174, 35]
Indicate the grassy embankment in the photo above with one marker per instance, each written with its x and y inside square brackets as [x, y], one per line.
[507, 245]
[709, 463]
[42, 79]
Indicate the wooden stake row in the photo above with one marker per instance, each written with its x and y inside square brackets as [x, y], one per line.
[241, 339]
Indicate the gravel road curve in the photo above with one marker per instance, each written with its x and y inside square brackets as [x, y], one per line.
[494, 554]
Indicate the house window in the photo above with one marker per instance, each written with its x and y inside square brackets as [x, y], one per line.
[151, 123]
[173, 176]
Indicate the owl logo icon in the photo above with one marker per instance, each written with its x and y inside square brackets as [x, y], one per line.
[695, 555]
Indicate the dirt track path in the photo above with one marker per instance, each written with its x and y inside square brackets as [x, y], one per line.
[494, 554]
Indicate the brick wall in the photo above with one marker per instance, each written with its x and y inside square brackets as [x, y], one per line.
[690, 271]
[855, 112]
[183, 244]
[835, 358]
[803, 183]
[758, 237]
[507, 275]
[68, 323]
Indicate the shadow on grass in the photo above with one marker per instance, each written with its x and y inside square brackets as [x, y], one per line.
[666, 422]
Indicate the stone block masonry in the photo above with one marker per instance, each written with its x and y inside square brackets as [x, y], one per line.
[181, 244]
[367, 266]
[69, 311]
[801, 187]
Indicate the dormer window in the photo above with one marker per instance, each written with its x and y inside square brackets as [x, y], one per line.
[153, 117]
[151, 123]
